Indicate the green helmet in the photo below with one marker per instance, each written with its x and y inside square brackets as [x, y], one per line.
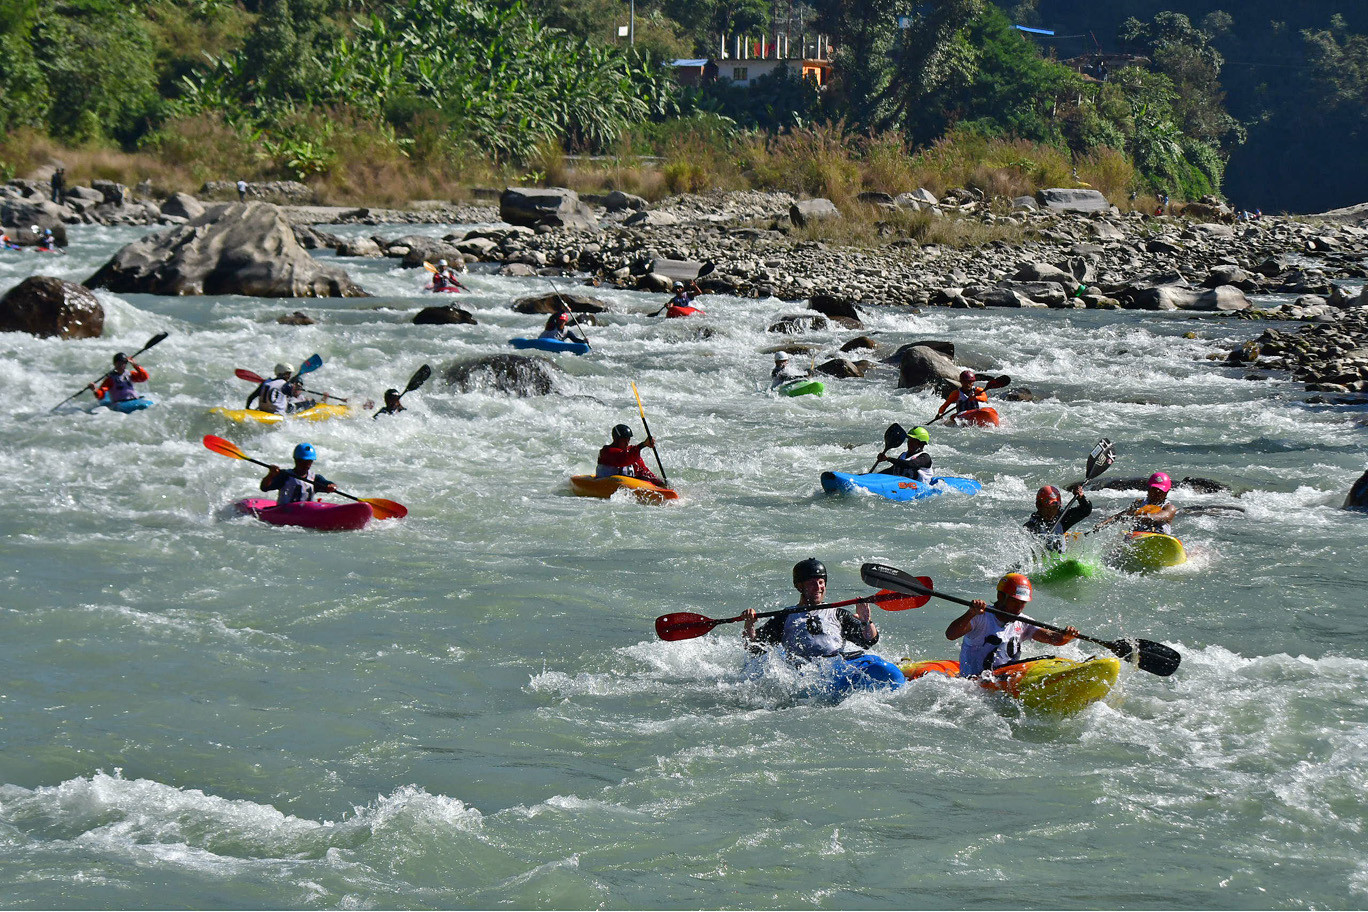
[921, 434]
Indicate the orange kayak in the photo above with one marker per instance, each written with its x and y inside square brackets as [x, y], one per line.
[1048, 684]
[979, 417]
[644, 491]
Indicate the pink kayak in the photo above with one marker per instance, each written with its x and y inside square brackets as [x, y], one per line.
[309, 514]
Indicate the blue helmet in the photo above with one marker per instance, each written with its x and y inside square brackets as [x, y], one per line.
[305, 451]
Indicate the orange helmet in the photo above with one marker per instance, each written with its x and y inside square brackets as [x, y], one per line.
[1047, 495]
[1015, 585]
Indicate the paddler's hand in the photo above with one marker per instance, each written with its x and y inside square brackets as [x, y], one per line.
[649, 442]
[1070, 634]
[749, 631]
[1076, 490]
[862, 612]
[331, 489]
[979, 606]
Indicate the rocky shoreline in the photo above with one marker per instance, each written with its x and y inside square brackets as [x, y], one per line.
[1061, 249]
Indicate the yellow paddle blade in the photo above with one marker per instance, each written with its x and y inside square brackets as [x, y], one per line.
[223, 447]
[640, 410]
[386, 509]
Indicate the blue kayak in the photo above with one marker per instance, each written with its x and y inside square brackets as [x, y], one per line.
[128, 405]
[896, 487]
[551, 345]
[836, 677]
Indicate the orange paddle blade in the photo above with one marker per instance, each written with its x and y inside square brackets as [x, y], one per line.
[889, 600]
[223, 447]
[385, 509]
[429, 267]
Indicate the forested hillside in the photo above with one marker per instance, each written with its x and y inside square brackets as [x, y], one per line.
[1264, 102]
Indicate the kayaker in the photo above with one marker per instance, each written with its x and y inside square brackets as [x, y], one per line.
[300, 483]
[915, 462]
[298, 402]
[558, 328]
[1152, 514]
[117, 385]
[990, 641]
[966, 398]
[273, 395]
[392, 404]
[444, 277]
[1052, 520]
[621, 457]
[785, 371]
[808, 635]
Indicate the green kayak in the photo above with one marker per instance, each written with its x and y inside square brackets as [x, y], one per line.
[803, 388]
[1057, 568]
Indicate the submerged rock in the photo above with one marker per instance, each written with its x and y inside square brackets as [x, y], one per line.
[241, 248]
[442, 316]
[516, 375]
[1358, 495]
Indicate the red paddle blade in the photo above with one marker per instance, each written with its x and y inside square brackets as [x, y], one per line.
[889, 600]
[223, 447]
[386, 509]
[684, 625]
[243, 373]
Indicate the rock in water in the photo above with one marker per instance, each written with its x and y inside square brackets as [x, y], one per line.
[44, 306]
[922, 366]
[241, 248]
[1358, 495]
[516, 375]
[553, 206]
[441, 316]
[555, 303]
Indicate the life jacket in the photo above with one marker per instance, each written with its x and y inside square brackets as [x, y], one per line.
[272, 397]
[120, 388]
[558, 333]
[620, 460]
[294, 489]
[812, 634]
[1145, 523]
[681, 300]
[965, 402]
[921, 473]
[991, 642]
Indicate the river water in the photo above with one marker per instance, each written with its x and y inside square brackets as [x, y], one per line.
[469, 708]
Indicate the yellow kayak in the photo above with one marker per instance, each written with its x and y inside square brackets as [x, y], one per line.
[644, 491]
[321, 412]
[1049, 685]
[1142, 551]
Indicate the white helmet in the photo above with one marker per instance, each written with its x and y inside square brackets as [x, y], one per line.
[283, 370]
[780, 357]
[441, 262]
[35, 229]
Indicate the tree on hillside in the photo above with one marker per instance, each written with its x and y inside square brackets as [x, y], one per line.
[1184, 54]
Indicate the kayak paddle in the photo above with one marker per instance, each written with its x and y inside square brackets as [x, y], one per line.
[1099, 460]
[150, 342]
[243, 374]
[311, 364]
[992, 384]
[685, 625]
[383, 509]
[895, 436]
[665, 481]
[1156, 658]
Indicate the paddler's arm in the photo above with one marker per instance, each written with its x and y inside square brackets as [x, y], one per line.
[945, 406]
[1056, 637]
[323, 484]
[1166, 514]
[254, 394]
[857, 627]
[272, 479]
[960, 625]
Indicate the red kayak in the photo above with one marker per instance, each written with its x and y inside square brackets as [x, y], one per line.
[310, 514]
[979, 417]
[676, 310]
[450, 289]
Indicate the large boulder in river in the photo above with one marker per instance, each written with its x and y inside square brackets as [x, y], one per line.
[444, 316]
[44, 306]
[557, 302]
[182, 205]
[553, 206]
[516, 375]
[241, 248]
[922, 366]
[1358, 495]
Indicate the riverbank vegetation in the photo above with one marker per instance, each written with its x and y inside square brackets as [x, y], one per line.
[385, 102]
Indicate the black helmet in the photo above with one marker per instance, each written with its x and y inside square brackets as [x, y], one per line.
[806, 570]
[621, 432]
[120, 358]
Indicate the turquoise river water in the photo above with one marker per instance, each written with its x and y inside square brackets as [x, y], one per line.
[469, 707]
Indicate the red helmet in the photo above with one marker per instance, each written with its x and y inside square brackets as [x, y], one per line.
[563, 317]
[1015, 585]
[1160, 482]
[1047, 495]
[968, 376]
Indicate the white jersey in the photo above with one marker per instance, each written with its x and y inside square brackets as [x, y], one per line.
[273, 397]
[991, 642]
[813, 634]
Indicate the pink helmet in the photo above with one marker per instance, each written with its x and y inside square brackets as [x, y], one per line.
[1161, 482]
[967, 376]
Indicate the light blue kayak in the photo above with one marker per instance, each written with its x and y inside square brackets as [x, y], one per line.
[551, 345]
[837, 677]
[896, 487]
[128, 405]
